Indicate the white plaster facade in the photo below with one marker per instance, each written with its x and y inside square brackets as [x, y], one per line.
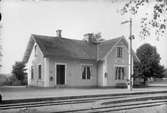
[102, 72]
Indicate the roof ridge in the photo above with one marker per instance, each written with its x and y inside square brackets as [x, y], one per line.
[41, 36]
[46, 36]
[114, 38]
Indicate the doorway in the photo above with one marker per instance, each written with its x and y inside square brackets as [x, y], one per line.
[60, 74]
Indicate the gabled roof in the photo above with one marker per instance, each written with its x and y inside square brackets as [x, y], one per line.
[106, 46]
[69, 48]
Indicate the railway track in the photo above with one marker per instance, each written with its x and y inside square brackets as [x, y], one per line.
[109, 109]
[54, 102]
[100, 103]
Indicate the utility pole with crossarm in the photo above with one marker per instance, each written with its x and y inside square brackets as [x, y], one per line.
[131, 37]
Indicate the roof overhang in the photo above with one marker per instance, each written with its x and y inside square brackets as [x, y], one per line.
[133, 52]
[28, 50]
[126, 44]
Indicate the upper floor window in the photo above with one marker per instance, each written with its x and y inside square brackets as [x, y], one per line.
[86, 71]
[35, 50]
[32, 72]
[119, 73]
[39, 71]
[119, 52]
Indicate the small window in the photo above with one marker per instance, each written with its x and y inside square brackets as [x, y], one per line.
[32, 72]
[119, 73]
[119, 52]
[39, 71]
[86, 72]
[35, 50]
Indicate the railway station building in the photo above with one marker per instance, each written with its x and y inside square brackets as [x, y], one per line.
[55, 61]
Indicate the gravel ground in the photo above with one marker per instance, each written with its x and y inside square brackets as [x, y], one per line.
[157, 109]
[10, 93]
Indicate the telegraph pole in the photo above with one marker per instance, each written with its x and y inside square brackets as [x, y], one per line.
[129, 81]
[130, 55]
[0, 40]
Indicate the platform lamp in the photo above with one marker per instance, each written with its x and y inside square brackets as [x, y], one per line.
[131, 37]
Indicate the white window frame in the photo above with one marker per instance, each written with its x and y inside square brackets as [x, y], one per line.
[121, 52]
[38, 71]
[122, 66]
[91, 71]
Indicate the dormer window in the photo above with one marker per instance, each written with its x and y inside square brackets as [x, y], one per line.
[119, 52]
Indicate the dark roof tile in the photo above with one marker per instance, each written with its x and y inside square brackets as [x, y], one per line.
[63, 47]
[70, 48]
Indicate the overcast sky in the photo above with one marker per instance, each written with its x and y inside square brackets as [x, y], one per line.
[75, 18]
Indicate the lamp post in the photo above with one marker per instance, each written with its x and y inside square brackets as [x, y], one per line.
[130, 53]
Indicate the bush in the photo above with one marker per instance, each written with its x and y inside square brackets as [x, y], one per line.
[3, 79]
[12, 80]
[19, 71]
[24, 82]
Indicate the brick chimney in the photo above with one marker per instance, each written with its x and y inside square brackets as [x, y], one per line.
[59, 33]
[88, 37]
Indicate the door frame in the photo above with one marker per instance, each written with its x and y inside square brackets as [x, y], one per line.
[64, 72]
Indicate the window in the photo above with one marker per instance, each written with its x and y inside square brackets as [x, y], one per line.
[86, 71]
[119, 52]
[39, 71]
[119, 73]
[35, 50]
[32, 72]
